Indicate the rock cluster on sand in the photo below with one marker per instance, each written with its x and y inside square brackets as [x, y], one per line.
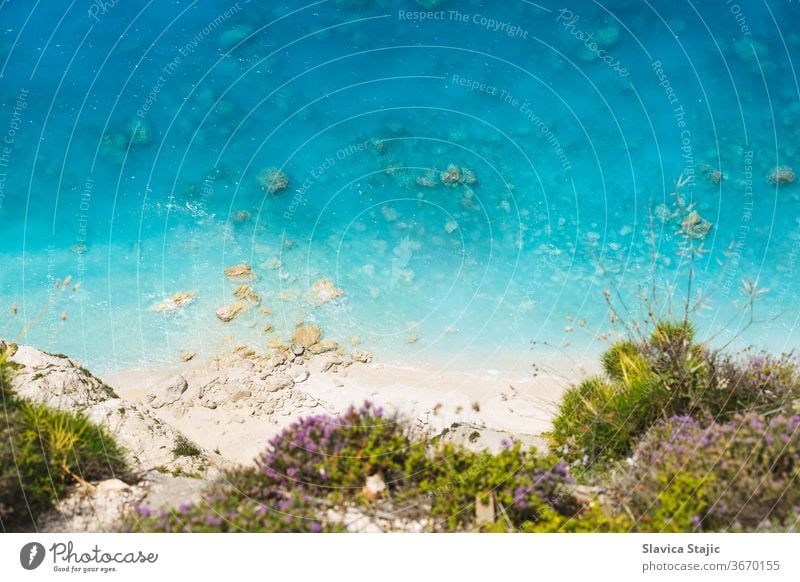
[251, 385]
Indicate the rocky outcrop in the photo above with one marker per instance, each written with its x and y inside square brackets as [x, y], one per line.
[168, 392]
[273, 180]
[149, 444]
[62, 383]
[56, 381]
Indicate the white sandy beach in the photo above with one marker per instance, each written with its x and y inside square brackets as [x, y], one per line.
[498, 405]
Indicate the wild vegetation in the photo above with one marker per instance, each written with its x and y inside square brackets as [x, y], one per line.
[42, 452]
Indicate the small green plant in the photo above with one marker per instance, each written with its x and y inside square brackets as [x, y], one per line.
[185, 448]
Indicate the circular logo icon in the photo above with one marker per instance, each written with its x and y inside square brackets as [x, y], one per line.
[31, 555]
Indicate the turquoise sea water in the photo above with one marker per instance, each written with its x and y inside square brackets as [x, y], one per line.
[134, 132]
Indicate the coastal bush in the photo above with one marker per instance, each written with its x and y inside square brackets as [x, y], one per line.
[599, 419]
[42, 452]
[759, 382]
[684, 476]
[317, 468]
[668, 374]
[524, 487]
[185, 448]
[689, 476]
[591, 518]
[316, 464]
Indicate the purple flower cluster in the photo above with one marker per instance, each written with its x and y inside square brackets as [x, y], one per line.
[772, 373]
[322, 462]
[749, 467]
[312, 451]
[543, 484]
[282, 492]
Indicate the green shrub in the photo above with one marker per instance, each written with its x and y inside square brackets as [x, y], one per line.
[592, 518]
[598, 419]
[668, 375]
[185, 448]
[689, 476]
[42, 452]
[615, 357]
[521, 483]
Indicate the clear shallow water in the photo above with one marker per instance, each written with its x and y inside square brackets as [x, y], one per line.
[364, 105]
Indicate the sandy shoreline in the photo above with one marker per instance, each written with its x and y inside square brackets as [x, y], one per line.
[498, 405]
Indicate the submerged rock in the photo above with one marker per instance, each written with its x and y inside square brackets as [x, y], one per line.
[273, 180]
[232, 311]
[180, 299]
[246, 292]
[782, 175]
[240, 271]
[452, 176]
[389, 214]
[695, 226]
[425, 181]
[323, 290]
[663, 213]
